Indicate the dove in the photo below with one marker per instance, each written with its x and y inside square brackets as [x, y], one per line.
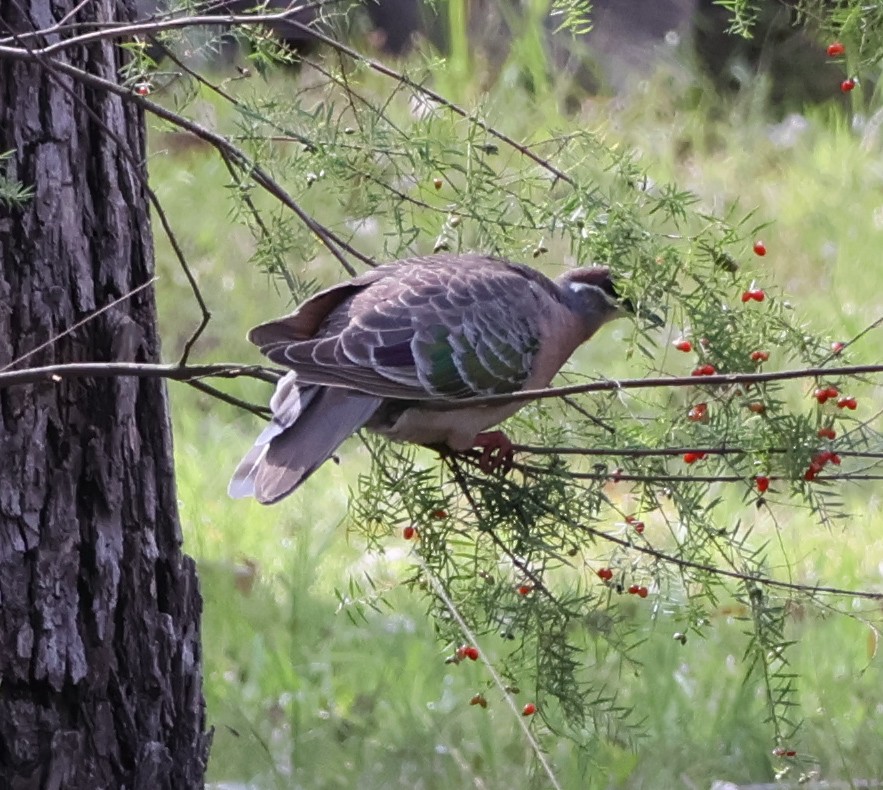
[389, 349]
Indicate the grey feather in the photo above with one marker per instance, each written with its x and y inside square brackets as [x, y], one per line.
[308, 425]
[441, 328]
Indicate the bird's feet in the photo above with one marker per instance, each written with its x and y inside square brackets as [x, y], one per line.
[496, 451]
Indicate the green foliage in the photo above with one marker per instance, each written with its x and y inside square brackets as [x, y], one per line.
[725, 569]
[12, 191]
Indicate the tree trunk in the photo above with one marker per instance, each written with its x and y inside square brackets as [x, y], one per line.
[100, 659]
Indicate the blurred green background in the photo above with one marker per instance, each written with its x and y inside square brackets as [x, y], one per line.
[309, 685]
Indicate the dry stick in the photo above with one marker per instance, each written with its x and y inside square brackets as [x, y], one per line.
[380, 68]
[284, 17]
[653, 383]
[166, 226]
[644, 452]
[698, 566]
[80, 323]
[440, 591]
[467, 492]
[123, 148]
[711, 569]
[330, 239]
[259, 411]
[56, 373]
[110, 30]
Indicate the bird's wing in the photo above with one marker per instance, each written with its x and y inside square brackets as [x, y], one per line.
[431, 328]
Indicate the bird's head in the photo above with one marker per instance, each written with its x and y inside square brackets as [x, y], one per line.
[589, 291]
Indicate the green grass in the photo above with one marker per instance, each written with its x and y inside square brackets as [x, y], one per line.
[307, 691]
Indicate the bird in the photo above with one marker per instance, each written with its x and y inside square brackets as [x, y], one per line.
[389, 349]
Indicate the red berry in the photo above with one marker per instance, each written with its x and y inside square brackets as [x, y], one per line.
[824, 394]
[478, 699]
[633, 589]
[704, 370]
[143, 89]
[698, 413]
[437, 183]
[605, 574]
[835, 459]
[467, 651]
[759, 248]
[529, 709]
[847, 403]
[617, 475]
[639, 527]
[837, 346]
[409, 533]
[810, 474]
[691, 458]
[525, 589]
[642, 591]
[763, 483]
[827, 433]
[683, 345]
[757, 294]
[847, 85]
[835, 49]
[756, 406]
[439, 514]
[760, 356]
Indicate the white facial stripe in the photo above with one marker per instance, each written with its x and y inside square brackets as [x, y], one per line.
[608, 298]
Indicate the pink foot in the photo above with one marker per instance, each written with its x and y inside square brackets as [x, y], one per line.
[496, 451]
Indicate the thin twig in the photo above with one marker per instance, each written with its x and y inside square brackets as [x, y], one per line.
[145, 370]
[440, 591]
[91, 317]
[259, 411]
[610, 385]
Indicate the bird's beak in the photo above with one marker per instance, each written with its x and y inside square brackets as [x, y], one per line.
[653, 319]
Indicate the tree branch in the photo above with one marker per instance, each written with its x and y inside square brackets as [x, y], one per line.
[55, 373]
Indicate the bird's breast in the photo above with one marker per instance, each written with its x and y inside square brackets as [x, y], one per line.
[456, 428]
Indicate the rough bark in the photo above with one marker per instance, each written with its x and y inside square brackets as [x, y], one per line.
[100, 659]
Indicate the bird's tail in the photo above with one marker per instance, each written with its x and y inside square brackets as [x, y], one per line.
[309, 423]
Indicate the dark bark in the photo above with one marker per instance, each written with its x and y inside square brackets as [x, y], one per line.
[100, 659]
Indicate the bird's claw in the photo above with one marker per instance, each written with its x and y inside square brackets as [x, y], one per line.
[496, 452]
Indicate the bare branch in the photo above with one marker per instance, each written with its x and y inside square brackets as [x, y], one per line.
[729, 379]
[78, 370]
